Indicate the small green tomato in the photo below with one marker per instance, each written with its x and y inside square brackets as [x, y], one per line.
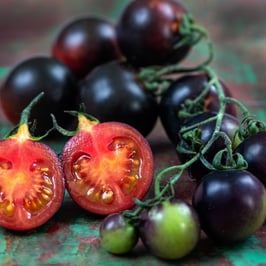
[117, 235]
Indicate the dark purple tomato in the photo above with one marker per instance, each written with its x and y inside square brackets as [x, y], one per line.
[117, 235]
[148, 30]
[32, 76]
[254, 152]
[231, 205]
[113, 92]
[85, 43]
[170, 230]
[229, 126]
[185, 88]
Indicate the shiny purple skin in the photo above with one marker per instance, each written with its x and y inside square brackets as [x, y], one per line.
[85, 43]
[29, 78]
[229, 126]
[113, 92]
[188, 87]
[231, 205]
[253, 150]
[147, 31]
[170, 230]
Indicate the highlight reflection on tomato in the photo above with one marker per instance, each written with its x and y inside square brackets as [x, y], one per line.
[106, 166]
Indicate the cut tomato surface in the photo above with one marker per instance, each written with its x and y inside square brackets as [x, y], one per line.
[31, 184]
[106, 166]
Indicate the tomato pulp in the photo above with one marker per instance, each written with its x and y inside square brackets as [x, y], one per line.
[106, 166]
[31, 182]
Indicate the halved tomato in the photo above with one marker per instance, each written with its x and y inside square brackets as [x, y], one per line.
[31, 181]
[106, 166]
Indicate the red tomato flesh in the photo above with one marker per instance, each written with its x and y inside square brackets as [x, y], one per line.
[31, 184]
[106, 166]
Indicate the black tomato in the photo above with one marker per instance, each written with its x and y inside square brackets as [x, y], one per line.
[84, 43]
[148, 30]
[254, 152]
[185, 88]
[170, 230]
[113, 92]
[32, 76]
[229, 126]
[231, 205]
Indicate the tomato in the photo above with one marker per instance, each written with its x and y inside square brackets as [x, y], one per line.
[85, 43]
[231, 205]
[254, 152]
[106, 166]
[170, 230]
[113, 92]
[28, 79]
[148, 30]
[187, 88]
[229, 125]
[31, 182]
[117, 235]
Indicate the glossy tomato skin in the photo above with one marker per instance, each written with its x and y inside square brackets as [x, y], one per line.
[231, 205]
[188, 87]
[117, 235]
[32, 76]
[107, 166]
[84, 43]
[147, 31]
[229, 126]
[31, 183]
[113, 92]
[170, 230]
[254, 152]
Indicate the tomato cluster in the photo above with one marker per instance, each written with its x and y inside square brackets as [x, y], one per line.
[119, 73]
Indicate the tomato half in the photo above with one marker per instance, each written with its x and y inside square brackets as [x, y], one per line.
[106, 166]
[31, 182]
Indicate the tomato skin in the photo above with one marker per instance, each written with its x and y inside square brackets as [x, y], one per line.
[229, 126]
[32, 76]
[254, 152]
[118, 162]
[84, 43]
[147, 31]
[170, 230]
[188, 87]
[231, 205]
[117, 235]
[24, 185]
[113, 92]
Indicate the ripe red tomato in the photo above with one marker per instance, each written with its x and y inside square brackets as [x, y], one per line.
[106, 166]
[31, 182]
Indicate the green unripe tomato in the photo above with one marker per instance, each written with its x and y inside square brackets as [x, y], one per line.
[170, 230]
[117, 235]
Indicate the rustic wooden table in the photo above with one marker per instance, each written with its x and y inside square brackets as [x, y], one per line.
[237, 29]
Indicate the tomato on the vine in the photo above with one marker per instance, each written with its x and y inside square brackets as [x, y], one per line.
[31, 181]
[231, 205]
[148, 30]
[106, 166]
[198, 138]
[254, 152]
[170, 230]
[180, 96]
